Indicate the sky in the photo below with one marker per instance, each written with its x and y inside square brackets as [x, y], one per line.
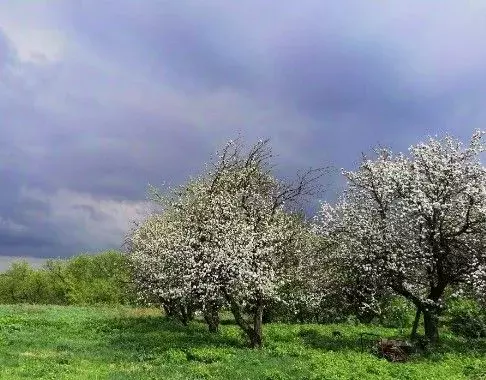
[100, 98]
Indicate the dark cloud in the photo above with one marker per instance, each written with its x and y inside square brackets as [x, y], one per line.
[20, 243]
[97, 99]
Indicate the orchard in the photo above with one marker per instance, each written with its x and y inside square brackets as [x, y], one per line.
[236, 238]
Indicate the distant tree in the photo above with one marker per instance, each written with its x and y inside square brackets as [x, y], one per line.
[21, 283]
[86, 279]
[415, 225]
[225, 238]
[17, 283]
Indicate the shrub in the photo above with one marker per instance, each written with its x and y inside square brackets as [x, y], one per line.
[96, 279]
[23, 284]
[397, 313]
[467, 319]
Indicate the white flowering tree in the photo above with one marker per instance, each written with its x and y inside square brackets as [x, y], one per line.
[157, 256]
[312, 292]
[415, 224]
[170, 257]
[225, 238]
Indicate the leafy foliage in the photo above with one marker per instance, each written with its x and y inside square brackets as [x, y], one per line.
[467, 318]
[85, 279]
[397, 312]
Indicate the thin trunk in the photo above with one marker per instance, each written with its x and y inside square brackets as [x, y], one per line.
[183, 315]
[166, 310]
[236, 311]
[413, 335]
[169, 309]
[186, 314]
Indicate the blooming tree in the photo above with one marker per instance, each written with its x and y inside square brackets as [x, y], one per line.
[313, 291]
[226, 238]
[171, 256]
[158, 265]
[415, 224]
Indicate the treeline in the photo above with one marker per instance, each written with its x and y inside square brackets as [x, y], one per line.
[86, 279]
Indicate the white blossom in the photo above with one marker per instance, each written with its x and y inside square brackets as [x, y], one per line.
[416, 224]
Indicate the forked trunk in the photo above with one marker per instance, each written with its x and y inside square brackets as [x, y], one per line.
[186, 314]
[253, 330]
[170, 309]
[430, 309]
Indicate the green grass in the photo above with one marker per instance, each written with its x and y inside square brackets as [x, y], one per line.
[52, 342]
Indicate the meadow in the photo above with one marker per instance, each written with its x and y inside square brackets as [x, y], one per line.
[73, 342]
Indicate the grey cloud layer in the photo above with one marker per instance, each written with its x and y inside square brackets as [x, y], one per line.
[145, 92]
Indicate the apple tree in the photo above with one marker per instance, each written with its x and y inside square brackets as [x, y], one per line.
[414, 224]
[227, 238]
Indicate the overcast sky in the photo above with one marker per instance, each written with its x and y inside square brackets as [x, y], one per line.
[100, 98]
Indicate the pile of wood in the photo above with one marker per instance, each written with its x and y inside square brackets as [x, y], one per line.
[394, 350]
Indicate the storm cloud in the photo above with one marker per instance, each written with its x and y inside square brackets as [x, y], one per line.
[98, 99]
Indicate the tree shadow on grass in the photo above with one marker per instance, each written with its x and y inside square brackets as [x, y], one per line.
[143, 338]
[147, 337]
[366, 342]
[315, 339]
[456, 345]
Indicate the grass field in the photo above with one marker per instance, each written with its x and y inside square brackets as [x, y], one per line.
[51, 342]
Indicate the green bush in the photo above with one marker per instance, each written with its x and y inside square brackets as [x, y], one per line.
[397, 313]
[96, 279]
[23, 284]
[467, 318]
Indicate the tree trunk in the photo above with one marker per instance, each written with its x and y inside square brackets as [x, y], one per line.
[186, 313]
[166, 310]
[183, 317]
[211, 316]
[256, 338]
[413, 335]
[252, 330]
[431, 325]
[169, 309]
[430, 310]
